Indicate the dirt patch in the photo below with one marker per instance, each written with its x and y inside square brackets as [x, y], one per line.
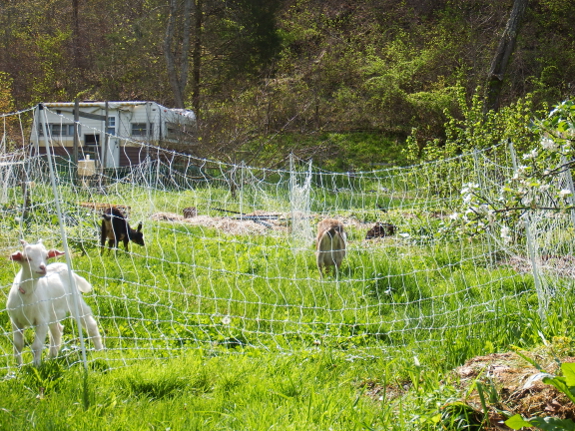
[559, 266]
[377, 392]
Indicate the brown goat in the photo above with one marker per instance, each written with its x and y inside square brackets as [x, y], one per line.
[330, 245]
[115, 228]
[381, 230]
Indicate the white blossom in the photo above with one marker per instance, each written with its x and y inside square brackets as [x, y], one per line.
[564, 192]
[483, 209]
[549, 145]
[505, 235]
[531, 155]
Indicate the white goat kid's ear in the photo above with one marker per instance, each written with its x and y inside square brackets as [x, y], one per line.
[18, 256]
[54, 253]
[23, 242]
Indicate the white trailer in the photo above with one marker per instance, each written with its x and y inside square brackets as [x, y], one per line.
[112, 133]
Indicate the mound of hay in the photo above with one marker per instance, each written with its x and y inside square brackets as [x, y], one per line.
[518, 384]
[231, 226]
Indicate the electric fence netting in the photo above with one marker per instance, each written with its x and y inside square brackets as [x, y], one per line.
[229, 258]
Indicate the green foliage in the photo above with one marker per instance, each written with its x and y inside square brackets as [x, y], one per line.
[6, 93]
[338, 152]
[268, 67]
[396, 81]
[473, 129]
[51, 57]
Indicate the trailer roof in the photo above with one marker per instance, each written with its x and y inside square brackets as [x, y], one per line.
[119, 104]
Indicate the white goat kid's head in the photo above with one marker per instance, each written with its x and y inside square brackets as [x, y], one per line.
[34, 257]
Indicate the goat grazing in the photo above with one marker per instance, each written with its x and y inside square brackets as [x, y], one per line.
[40, 297]
[115, 228]
[330, 245]
[381, 230]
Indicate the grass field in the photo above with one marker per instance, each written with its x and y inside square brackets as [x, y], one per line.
[209, 329]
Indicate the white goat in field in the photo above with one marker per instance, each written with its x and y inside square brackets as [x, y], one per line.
[330, 245]
[41, 296]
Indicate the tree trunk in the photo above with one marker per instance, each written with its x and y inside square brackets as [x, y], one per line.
[178, 81]
[76, 33]
[503, 54]
[197, 57]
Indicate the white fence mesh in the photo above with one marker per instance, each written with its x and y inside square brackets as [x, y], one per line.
[229, 256]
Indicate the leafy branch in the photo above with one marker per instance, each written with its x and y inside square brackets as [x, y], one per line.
[535, 185]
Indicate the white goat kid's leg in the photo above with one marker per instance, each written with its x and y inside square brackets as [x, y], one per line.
[56, 330]
[18, 344]
[38, 344]
[91, 326]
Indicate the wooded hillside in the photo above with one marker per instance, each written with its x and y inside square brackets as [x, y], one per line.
[339, 79]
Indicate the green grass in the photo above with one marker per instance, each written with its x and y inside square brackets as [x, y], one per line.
[206, 330]
[255, 390]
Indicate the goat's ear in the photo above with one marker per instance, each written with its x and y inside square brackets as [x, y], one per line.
[18, 256]
[54, 253]
[24, 243]
[139, 227]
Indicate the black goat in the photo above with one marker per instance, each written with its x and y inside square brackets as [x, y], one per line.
[115, 228]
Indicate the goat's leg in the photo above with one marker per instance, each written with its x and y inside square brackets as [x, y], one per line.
[38, 344]
[91, 326]
[126, 241]
[18, 343]
[56, 330]
[103, 236]
[88, 322]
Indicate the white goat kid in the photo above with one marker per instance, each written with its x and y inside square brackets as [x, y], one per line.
[41, 296]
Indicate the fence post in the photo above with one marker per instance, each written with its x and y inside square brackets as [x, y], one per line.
[484, 191]
[541, 294]
[72, 281]
[242, 172]
[569, 180]
[292, 187]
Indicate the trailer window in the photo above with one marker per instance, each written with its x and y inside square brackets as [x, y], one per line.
[176, 131]
[111, 130]
[172, 130]
[141, 130]
[58, 130]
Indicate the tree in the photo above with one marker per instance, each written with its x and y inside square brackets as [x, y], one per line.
[503, 54]
[178, 79]
[197, 56]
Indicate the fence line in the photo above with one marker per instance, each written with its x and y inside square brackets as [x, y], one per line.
[229, 257]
